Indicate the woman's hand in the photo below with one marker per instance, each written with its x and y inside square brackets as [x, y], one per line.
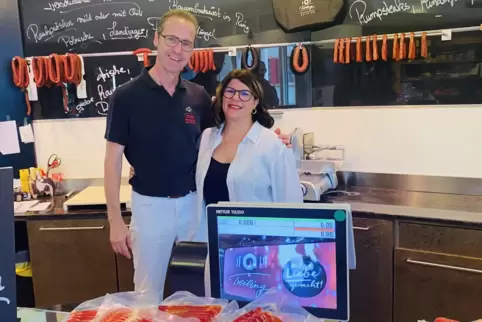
[283, 137]
[132, 173]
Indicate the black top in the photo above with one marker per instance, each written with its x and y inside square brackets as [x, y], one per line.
[160, 133]
[215, 186]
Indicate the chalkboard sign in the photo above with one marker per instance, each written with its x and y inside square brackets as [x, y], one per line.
[87, 26]
[8, 302]
[103, 76]
[413, 15]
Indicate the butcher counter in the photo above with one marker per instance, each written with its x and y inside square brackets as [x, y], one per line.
[419, 255]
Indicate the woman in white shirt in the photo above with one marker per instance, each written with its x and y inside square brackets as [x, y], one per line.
[241, 159]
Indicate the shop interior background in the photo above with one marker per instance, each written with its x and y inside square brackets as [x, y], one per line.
[409, 117]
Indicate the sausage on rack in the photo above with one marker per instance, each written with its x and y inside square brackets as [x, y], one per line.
[359, 56]
[341, 51]
[348, 50]
[384, 48]
[411, 47]
[375, 47]
[402, 49]
[424, 49]
[395, 48]
[368, 54]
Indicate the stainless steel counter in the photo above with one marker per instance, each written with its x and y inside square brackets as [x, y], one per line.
[424, 205]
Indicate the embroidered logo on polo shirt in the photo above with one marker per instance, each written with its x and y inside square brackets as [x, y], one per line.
[189, 117]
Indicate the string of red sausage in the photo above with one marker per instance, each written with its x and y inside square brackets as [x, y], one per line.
[342, 52]
[47, 71]
[202, 61]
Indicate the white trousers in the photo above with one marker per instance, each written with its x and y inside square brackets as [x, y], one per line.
[156, 224]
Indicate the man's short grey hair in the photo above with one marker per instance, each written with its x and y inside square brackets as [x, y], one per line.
[180, 13]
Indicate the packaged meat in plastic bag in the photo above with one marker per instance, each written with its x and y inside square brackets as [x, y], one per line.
[85, 311]
[272, 306]
[187, 305]
[133, 307]
[120, 307]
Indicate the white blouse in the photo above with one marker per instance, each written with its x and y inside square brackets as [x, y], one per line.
[263, 170]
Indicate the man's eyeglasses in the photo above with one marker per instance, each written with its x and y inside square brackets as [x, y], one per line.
[172, 41]
[244, 95]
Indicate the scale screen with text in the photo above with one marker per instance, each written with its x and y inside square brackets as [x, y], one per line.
[303, 252]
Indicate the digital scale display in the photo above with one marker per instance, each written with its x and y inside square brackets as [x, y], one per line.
[285, 227]
[301, 251]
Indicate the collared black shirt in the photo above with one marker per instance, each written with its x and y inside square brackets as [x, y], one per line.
[161, 133]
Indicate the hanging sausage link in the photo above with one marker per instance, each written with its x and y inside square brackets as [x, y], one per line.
[402, 49]
[145, 52]
[423, 45]
[384, 48]
[300, 52]
[412, 47]
[395, 55]
[211, 55]
[57, 76]
[348, 50]
[73, 68]
[375, 47]
[341, 51]
[359, 56]
[368, 54]
[335, 51]
[254, 55]
[41, 71]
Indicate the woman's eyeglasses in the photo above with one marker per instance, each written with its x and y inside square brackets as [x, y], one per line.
[172, 41]
[244, 95]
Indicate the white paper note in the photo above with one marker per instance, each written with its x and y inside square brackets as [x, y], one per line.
[26, 133]
[40, 207]
[24, 206]
[9, 143]
[32, 86]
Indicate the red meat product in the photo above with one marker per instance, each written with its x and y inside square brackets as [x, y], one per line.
[114, 315]
[205, 313]
[258, 315]
[82, 316]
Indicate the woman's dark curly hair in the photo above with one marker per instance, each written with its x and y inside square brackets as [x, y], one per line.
[249, 79]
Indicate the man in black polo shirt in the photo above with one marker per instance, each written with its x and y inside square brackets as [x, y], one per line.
[156, 121]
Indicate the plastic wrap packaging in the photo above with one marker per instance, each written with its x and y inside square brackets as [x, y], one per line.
[85, 311]
[187, 305]
[120, 307]
[272, 306]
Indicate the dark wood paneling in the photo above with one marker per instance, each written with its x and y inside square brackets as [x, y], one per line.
[441, 239]
[429, 285]
[371, 281]
[72, 261]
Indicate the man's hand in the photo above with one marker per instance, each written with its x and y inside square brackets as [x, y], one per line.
[120, 237]
[284, 137]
